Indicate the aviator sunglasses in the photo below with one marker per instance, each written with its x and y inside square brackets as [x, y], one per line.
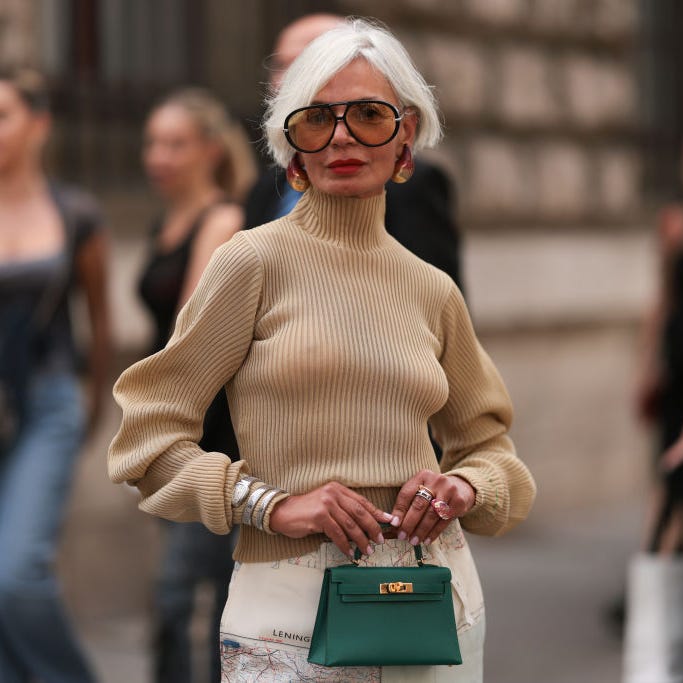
[373, 123]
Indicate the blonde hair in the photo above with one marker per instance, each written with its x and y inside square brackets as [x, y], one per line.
[328, 54]
[237, 170]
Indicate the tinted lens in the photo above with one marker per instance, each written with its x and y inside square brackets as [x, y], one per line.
[311, 129]
[372, 123]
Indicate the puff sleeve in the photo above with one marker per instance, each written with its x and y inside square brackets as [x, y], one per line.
[472, 426]
[165, 396]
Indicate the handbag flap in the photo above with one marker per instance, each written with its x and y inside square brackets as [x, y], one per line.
[390, 584]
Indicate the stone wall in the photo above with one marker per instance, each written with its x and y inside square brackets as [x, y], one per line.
[540, 99]
[17, 32]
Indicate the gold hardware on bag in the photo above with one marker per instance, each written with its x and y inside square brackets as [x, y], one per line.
[395, 587]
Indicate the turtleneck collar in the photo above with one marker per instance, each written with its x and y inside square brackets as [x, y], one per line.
[346, 221]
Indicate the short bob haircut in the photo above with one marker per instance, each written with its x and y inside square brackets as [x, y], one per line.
[328, 54]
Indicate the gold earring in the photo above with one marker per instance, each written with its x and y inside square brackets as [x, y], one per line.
[405, 166]
[297, 176]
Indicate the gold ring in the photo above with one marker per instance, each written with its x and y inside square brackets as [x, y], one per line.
[422, 487]
[424, 493]
[442, 509]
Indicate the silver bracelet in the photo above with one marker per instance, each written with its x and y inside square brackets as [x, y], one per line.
[260, 511]
[241, 490]
[251, 503]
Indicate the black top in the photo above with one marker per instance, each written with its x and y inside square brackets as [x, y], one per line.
[35, 294]
[672, 355]
[160, 287]
[673, 331]
[161, 283]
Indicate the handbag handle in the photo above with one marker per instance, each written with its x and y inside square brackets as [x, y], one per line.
[418, 555]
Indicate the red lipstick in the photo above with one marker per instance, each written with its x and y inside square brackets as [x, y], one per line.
[345, 166]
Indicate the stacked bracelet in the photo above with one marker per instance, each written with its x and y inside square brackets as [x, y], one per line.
[255, 510]
[241, 490]
[262, 506]
[254, 497]
[251, 503]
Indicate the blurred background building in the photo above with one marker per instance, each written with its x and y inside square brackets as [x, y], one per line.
[564, 120]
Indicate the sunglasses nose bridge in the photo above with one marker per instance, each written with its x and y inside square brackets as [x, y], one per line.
[346, 131]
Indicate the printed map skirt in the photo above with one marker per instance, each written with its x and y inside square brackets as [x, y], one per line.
[270, 613]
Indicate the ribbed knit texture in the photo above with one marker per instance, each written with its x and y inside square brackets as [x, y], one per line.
[336, 346]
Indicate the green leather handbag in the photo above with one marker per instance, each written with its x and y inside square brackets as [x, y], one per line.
[385, 616]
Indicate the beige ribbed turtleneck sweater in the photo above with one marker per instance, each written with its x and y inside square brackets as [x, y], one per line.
[336, 346]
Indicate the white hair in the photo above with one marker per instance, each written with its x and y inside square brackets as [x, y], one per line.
[328, 54]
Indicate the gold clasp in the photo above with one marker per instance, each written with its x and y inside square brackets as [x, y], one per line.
[395, 587]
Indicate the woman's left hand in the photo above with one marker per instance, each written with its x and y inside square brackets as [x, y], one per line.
[415, 517]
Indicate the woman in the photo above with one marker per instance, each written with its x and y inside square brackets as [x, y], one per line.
[51, 241]
[660, 387]
[336, 347]
[200, 164]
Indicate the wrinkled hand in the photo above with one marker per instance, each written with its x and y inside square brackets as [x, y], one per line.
[414, 517]
[343, 515]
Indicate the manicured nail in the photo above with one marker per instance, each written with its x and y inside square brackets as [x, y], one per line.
[402, 535]
[369, 550]
[352, 554]
[414, 540]
[380, 539]
[388, 517]
[395, 521]
[427, 541]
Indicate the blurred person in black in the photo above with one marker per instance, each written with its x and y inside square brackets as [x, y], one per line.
[648, 614]
[52, 244]
[659, 397]
[419, 214]
[200, 164]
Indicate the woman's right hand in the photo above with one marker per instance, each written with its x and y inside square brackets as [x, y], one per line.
[343, 515]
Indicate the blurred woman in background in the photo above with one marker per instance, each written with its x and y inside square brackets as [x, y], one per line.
[200, 164]
[51, 242]
[660, 388]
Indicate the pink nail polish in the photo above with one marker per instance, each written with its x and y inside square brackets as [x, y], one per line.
[402, 535]
[369, 550]
[414, 540]
[427, 541]
[380, 539]
[395, 521]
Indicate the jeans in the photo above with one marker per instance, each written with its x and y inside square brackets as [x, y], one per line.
[193, 554]
[36, 639]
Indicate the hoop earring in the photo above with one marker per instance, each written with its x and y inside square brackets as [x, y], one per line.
[296, 175]
[405, 166]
